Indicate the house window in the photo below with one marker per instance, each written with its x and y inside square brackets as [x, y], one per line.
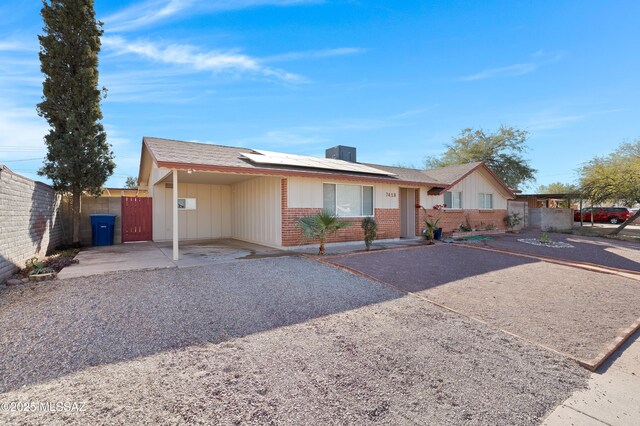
[453, 200]
[486, 201]
[348, 200]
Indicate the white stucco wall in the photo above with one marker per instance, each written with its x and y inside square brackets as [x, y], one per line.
[471, 187]
[256, 211]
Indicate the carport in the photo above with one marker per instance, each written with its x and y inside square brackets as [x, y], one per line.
[192, 201]
[195, 205]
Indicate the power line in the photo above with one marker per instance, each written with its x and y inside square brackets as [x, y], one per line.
[23, 159]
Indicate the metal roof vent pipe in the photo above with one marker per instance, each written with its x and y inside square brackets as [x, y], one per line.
[341, 152]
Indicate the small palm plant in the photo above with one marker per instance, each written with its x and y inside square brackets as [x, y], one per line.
[320, 226]
[370, 228]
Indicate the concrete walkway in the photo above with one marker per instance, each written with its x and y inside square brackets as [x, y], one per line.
[613, 396]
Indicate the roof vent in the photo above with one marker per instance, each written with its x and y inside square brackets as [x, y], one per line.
[341, 152]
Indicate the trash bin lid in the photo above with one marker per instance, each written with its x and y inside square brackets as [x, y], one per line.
[102, 218]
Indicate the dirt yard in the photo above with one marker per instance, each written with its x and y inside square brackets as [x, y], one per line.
[272, 341]
[570, 310]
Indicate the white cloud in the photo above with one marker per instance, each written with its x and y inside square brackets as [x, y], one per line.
[17, 46]
[155, 11]
[197, 60]
[314, 54]
[540, 58]
[553, 119]
[511, 70]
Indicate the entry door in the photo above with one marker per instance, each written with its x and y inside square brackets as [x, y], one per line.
[136, 219]
[407, 213]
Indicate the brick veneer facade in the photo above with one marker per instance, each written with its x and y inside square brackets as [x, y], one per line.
[388, 224]
[452, 219]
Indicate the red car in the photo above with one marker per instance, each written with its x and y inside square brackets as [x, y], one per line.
[604, 214]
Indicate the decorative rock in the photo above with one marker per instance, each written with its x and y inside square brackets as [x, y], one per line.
[25, 280]
[551, 244]
[14, 281]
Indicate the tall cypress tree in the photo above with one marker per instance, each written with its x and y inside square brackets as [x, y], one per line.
[79, 159]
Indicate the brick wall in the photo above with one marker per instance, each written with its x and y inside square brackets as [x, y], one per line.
[30, 221]
[451, 219]
[388, 224]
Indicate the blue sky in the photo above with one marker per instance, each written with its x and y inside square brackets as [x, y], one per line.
[396, 79]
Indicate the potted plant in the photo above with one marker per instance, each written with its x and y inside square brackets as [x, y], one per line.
[432, 231]
[320, 226]
[370, 228]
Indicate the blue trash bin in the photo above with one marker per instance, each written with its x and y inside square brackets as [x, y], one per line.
[102, 229]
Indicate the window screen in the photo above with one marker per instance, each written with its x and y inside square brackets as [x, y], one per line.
[329, 198]
[486, 201]
[367, 201]
[348, 200]
[453, 200]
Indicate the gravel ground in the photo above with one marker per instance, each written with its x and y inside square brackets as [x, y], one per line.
[320, 346]
[601, 251]
[571, 310]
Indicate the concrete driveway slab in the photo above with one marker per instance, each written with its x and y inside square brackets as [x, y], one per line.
[198, 253]
[120, 257]
[151, 255]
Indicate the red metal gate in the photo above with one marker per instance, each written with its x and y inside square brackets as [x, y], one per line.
[136, 219]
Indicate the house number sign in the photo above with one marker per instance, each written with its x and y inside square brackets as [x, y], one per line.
[392, 194]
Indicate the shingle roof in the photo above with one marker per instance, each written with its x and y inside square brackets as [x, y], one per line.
[408, 174]
[451, 174]
[172, 151]
[180, 152]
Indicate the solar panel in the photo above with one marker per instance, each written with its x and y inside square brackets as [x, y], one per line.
[270, 157]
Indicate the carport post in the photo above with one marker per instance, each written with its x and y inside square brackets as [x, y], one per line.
[176, 254]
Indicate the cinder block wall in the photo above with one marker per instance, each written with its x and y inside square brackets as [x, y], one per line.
[100, 205]
[30, 221]
[547, 219]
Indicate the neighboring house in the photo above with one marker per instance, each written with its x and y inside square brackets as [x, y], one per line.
[203, 191]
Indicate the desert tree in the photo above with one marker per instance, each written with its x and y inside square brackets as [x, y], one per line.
[79, 158]
[502, 151]
[614, 179]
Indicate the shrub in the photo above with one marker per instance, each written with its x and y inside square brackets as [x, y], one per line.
[320, 226]
[370, 228]
[512, 220]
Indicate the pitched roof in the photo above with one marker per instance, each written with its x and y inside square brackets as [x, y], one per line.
[452, 174]
[408, 174]
[171, 153]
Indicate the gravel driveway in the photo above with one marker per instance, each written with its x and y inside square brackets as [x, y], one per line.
[571, 310]
[600, 251]
[284, 340]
